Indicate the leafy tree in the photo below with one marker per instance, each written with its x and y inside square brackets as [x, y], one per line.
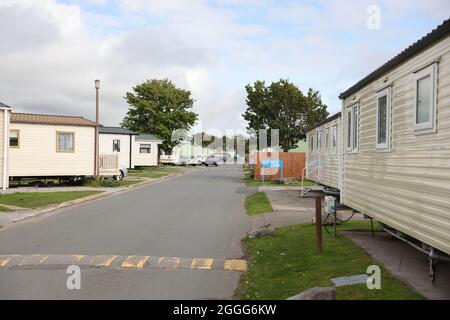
[283, 106]
[159, 108]
[205, 139]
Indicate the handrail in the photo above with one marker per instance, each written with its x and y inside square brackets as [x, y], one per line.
[317, 180]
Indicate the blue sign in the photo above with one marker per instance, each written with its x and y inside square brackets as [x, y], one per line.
[272, 163]
[269, 164]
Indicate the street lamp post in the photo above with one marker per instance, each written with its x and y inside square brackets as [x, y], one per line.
[97, 169]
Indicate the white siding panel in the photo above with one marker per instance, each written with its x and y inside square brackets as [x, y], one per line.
[408, 187]
[145, 159]
[37, 154]
[328, 158]
[106, 147]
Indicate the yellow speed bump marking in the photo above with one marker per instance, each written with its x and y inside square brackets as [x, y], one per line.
[4, 261]
[170, 262]
[235, 265]
[202, 263]
[78, 257]
[106, 261]
[135, 262]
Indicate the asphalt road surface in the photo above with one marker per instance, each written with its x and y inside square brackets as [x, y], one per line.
[196, 215]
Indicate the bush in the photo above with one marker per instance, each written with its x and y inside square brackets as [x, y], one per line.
[109, 183]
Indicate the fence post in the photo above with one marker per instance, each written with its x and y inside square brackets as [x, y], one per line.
[319, 224]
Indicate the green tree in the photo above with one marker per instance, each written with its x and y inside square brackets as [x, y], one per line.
[205, 139]
[284, 107]
[159, 108]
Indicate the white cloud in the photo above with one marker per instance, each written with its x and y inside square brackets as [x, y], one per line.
[51, 52]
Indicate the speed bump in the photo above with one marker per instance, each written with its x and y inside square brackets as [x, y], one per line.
[41, 261]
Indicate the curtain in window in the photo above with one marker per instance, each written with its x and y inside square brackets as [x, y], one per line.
[65, 141]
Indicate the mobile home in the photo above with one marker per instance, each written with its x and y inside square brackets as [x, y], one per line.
[118, 141]
[50, 145]
[145, 150]
[396, 140]
[323, 153]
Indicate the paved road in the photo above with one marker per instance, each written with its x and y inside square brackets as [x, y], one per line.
[196, 215]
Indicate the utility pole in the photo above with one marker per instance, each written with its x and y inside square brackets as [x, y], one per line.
[97, 169]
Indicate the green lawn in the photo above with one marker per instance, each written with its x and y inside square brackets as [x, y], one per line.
[154, 172]
[257, 203]
[110, 183]
[286, 264]
[40, 199]
[129, 182]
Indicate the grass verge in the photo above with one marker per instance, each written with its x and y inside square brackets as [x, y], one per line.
[34, 200]
[286, 264]
[111, 183]
[257, 203]
[154, 172]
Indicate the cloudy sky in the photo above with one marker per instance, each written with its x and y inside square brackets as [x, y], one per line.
[52, 50]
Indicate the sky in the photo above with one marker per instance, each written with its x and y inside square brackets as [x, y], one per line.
[52, 51]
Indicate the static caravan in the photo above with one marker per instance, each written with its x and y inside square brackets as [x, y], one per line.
[185, 149]
[118, 141]
[323, 153]
[50, 146]
[145, 150]
[396, 140]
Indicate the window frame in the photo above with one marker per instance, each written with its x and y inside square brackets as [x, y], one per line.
[311, 142]
[18, 138]
[319, 140]
[118, 144]
[430, 126]
[386, 92]
[352, 132]
[334, 132]
[355, 128]
[145, 144]
[349, 126]
[73, 142]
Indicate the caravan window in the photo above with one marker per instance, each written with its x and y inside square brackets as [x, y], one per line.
[311, 143]
[116, 145]
[352, 114]
[14, 138]
[349, 129]
[383, 118]
[355, 131]
[145, 148]
[65, 141]
[334, 137]
[425, 99]
[319, 141]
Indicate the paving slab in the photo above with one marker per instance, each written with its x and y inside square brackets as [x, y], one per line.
[350, 280]
[289, 208]
[406, 263]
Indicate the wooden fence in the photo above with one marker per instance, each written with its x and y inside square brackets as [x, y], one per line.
[292, 165]
[108, 164]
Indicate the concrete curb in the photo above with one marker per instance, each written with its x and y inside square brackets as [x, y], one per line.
[72, 203]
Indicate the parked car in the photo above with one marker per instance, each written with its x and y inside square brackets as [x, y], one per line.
[192, 160]
[123, 172]
[211, 161]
